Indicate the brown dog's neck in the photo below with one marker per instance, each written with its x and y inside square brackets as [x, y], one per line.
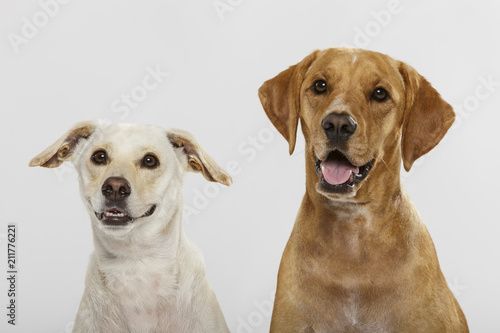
[379, 202]
[361, 237]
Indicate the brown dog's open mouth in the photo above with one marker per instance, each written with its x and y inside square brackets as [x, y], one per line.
[117, 217]
[337, 174]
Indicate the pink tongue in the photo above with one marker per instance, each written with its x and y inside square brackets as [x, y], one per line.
[337, 172]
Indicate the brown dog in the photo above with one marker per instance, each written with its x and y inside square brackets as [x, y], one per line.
[359, 258]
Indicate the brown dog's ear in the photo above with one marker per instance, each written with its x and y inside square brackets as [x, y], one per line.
[427, 116]
[280, 98]
[62, 149]
[197, 158]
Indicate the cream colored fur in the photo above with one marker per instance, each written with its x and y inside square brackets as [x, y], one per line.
[144, 276]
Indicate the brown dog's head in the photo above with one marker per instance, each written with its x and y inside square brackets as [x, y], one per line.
[361, 113]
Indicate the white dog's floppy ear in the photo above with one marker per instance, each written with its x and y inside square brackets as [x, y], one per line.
[427, 116]
[280, 98]
[197, 158]
[62, 149]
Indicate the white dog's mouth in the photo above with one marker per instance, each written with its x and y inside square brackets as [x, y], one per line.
[118, 217]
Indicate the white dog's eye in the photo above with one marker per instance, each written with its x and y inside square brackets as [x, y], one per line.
[99, 157]
[150, 161]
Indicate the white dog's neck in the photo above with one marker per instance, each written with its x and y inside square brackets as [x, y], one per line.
[145, 274]
[141, 270]
[143, 241]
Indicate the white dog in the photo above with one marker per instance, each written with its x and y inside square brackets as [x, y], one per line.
[144, 275]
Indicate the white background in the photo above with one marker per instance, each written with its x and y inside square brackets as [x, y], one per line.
[85, 55]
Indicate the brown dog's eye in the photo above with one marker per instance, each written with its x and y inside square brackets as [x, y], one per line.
[319, 87]
[99, 157]
[150, 161]
[380, 94]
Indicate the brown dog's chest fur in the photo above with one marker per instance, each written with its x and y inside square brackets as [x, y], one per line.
[352, 244]
[351, 273]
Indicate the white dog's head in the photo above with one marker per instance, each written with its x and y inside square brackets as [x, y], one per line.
[129, 173]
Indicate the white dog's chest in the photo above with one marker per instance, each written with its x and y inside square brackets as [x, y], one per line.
[144, 291]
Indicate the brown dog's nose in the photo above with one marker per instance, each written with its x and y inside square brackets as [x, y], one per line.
[339, 126]
[116, 188]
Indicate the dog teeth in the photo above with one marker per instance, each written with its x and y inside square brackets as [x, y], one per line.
[108, 214]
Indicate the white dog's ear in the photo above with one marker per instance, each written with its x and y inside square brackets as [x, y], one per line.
[62, 149]
[197, 158]
[427, 116]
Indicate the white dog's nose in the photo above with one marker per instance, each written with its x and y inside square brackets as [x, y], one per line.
[116, 188]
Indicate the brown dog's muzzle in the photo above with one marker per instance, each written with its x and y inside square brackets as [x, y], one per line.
[336, 172]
